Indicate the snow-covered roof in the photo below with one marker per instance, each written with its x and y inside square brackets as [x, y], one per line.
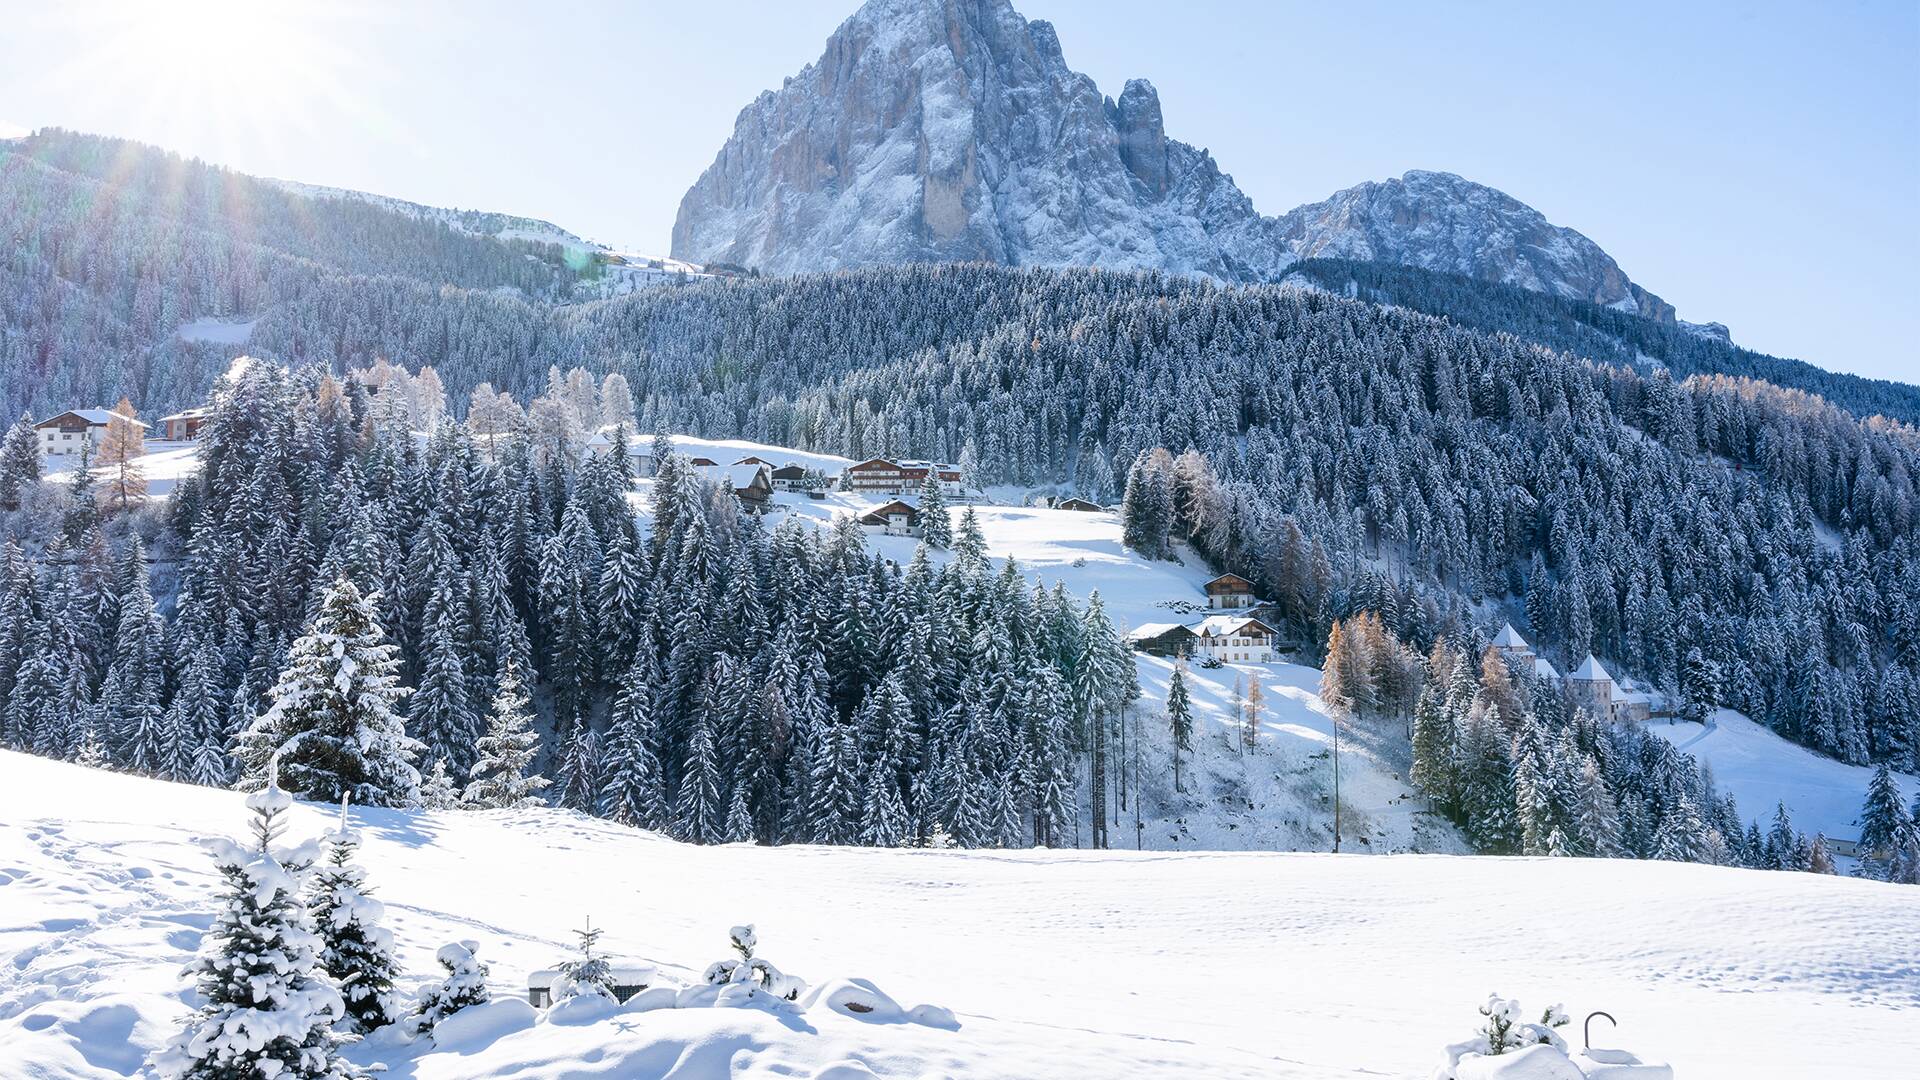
[1221, 625]
[1146, 631]
[1509, 639]
[736, 476]
[187, 414]
[1545, 669]
[96, 416]
[1591, 671]
[636, 447]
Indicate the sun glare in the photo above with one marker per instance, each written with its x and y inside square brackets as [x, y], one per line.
[230, 69]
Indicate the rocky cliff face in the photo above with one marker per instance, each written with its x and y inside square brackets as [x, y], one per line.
[953, 130]
[943, 130]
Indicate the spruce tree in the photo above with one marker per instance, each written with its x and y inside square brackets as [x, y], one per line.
[1885, 826]
[883, 813]
[332, 721]
[19, 462]
[935, 529]
[356, 951]
[698, 806]
[268, 1008]
[633, 791]
[464, 985]
[437, 791]
[442, 708]
[1179, 720]
[500, 778]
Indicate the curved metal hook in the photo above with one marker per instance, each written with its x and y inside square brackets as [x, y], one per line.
[1586, 1028]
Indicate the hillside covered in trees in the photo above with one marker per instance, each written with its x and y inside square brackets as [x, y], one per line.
[1729, 540]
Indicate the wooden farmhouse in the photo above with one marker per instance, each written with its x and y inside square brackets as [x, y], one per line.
[789, 477]
[751, 484]
[1226, 638]
[897, 518]
[1162, 639]
[185, 425]
[1231, 638]
[70, 431]
[1080, 505]
[1229, 591]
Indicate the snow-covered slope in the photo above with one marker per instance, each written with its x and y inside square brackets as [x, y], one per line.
[1762, 769]
[1278, 797]
[1055, 964]
[953, 130]
[477, 222]
[619, 271]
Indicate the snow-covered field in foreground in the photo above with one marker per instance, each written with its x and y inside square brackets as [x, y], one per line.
[1056, 964]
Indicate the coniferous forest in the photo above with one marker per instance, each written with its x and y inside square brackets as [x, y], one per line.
[1726, 540]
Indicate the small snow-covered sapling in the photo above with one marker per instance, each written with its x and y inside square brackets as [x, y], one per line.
[1504, 1030]
[465, 984]
[752, 971]
[589, 974]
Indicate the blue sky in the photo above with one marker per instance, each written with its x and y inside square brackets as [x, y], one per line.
[1755, 164]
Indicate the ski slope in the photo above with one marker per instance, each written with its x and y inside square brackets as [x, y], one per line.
[1054, 964]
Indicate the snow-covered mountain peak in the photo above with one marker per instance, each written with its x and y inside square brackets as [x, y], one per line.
[953, 130]
[1441, 221]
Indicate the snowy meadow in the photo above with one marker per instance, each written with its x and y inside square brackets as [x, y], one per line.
[1053, 963]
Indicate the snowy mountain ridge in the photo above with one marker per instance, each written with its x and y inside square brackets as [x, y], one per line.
[953, 130]
[475, 222]
[620, 271]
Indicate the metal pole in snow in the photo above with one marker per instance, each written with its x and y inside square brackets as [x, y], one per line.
[1336, 784]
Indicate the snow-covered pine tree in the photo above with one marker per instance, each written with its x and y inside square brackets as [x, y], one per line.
[442, 706]
[587, 974]
[1179, 719]
[1885, 826]
[935, 528]
[437, 791]
[19, 462]
[578, 776]
[883, 813]
[1433, 745]
[464, 984]
[834, 811]
[739, 825]
[633, 790]
[332, 720]
[267, 1009]
[1597, 821]
[500, 777]
[699, 802]
[355, 951]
